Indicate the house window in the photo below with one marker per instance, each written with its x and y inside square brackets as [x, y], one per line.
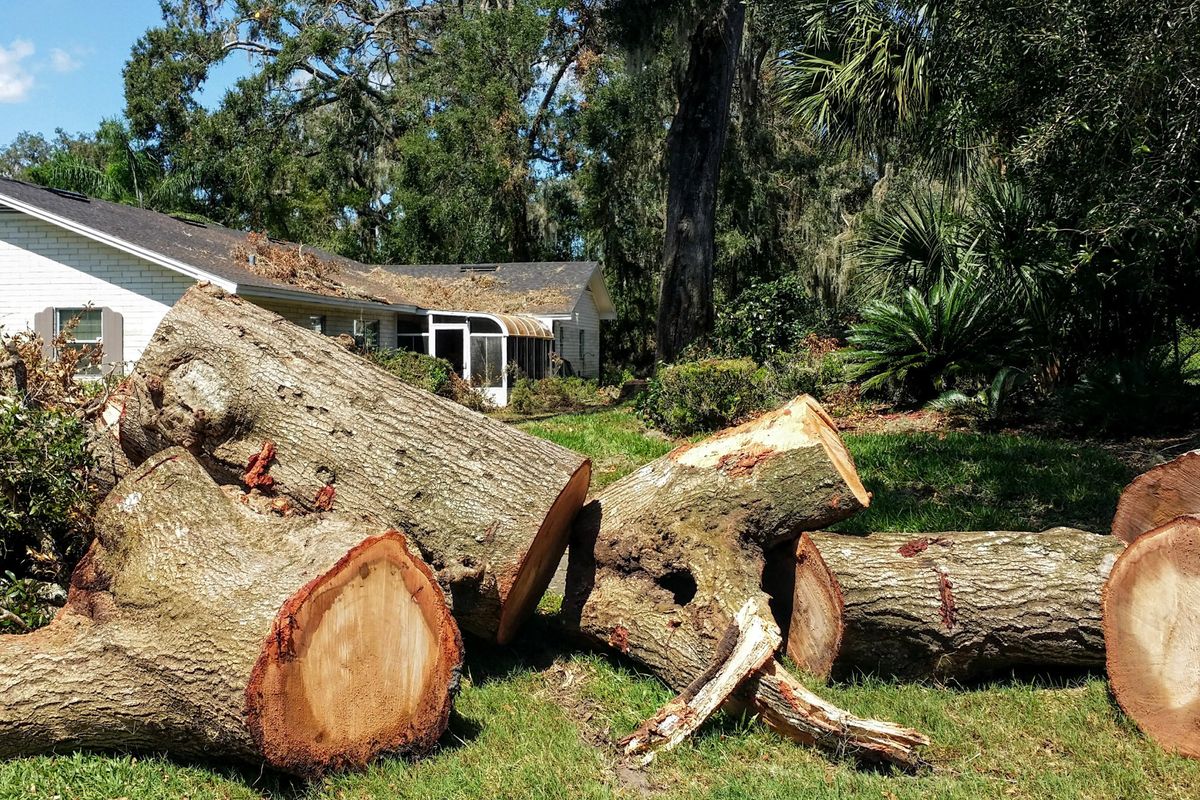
[87, 334]
[582, 357]
[413, 342]
[366, 334]
[317, 323]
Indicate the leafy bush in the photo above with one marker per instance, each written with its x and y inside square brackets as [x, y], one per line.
[817, 368]
[695, 396]
[26, 604]
[930, 341]
[986, 408]
[556, 393]
[766, 319]
[44, 505]
[1154, 391]
[417, 369]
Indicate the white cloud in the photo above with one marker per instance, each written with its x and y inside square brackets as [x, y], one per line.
[15, 79]
[62, 61]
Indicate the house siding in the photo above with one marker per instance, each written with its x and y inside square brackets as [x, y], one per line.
[337, 320]
[585, 317]
[44, 266]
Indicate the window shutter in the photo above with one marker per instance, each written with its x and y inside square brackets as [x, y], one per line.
[112, 338]
[43, 326]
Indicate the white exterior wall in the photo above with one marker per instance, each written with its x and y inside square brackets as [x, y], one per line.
[337, 320]
[566, 332]
[43, 266]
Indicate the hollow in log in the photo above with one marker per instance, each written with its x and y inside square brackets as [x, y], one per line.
[199, 627]
[1158, 496]
[949, 606]
[490, 507]
[663, 560]
[1153, 635]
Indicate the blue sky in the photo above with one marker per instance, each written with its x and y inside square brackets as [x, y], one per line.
[61, 60]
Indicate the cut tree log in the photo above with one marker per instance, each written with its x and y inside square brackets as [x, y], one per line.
[1158, 496]
[663, 560]
[950, 606]
[1153, 635]
[196, 626]
[489, 506]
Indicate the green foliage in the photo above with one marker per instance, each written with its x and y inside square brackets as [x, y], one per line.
[986, 408]
[1154, 392]
[930, 342]
[417, 369]
[25, 603]
[696, 396]
[766, 319]
[615, 439]
[43, 498]
[556, 393]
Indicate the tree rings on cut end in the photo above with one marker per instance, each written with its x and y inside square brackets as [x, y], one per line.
[1152, 634]
[363, 660]
[543, 556]
[808, 605]
[1157, 496]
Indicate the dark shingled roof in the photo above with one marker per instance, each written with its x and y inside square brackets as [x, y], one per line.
[209, 247]
[202, 245]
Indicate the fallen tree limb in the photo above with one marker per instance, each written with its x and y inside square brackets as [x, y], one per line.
[1158, 496]
[662, 560]
[489, 506]
[197, 626]
[952, 606]
[748, 644]
[1153, 636]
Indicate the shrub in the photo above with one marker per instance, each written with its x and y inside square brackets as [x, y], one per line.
[766, 319]
[987, 408]
[930, 341]
[417, 369]
[556, 393]
[818, 369]
[44, 504]
[26, 604]
[696, 396]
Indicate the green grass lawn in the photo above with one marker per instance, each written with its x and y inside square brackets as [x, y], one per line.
[535, 720]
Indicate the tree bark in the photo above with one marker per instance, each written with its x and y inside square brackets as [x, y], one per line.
[694, 146]
[490, 507]
[957, 606]
[1157, 496]
[197, 626]
[662, 561]
[1152, 634]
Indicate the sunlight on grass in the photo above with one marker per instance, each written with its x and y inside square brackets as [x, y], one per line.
[537, 720]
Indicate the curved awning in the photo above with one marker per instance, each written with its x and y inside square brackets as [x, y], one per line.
[528, 327]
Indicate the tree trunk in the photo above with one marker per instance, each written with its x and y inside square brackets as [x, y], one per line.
[663, 560]
[489, 507]
[955, 606]
[694, 146]
[197, 626]
[1158, 496]
[1152, 634]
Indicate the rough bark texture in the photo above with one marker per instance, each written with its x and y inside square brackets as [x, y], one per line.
[489, 507]
[1158, 496]
[184, 592]
[663, 560]
[1153, 636]
[962, 606]
[694, 146]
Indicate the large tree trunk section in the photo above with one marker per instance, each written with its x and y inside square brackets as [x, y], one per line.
[489, 507]
[663, 560]
[200, 627]
[951, 606]
[1152, 633]
[1158, 496]
[694, 146]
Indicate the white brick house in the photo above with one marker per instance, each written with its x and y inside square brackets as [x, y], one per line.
[120, 268]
